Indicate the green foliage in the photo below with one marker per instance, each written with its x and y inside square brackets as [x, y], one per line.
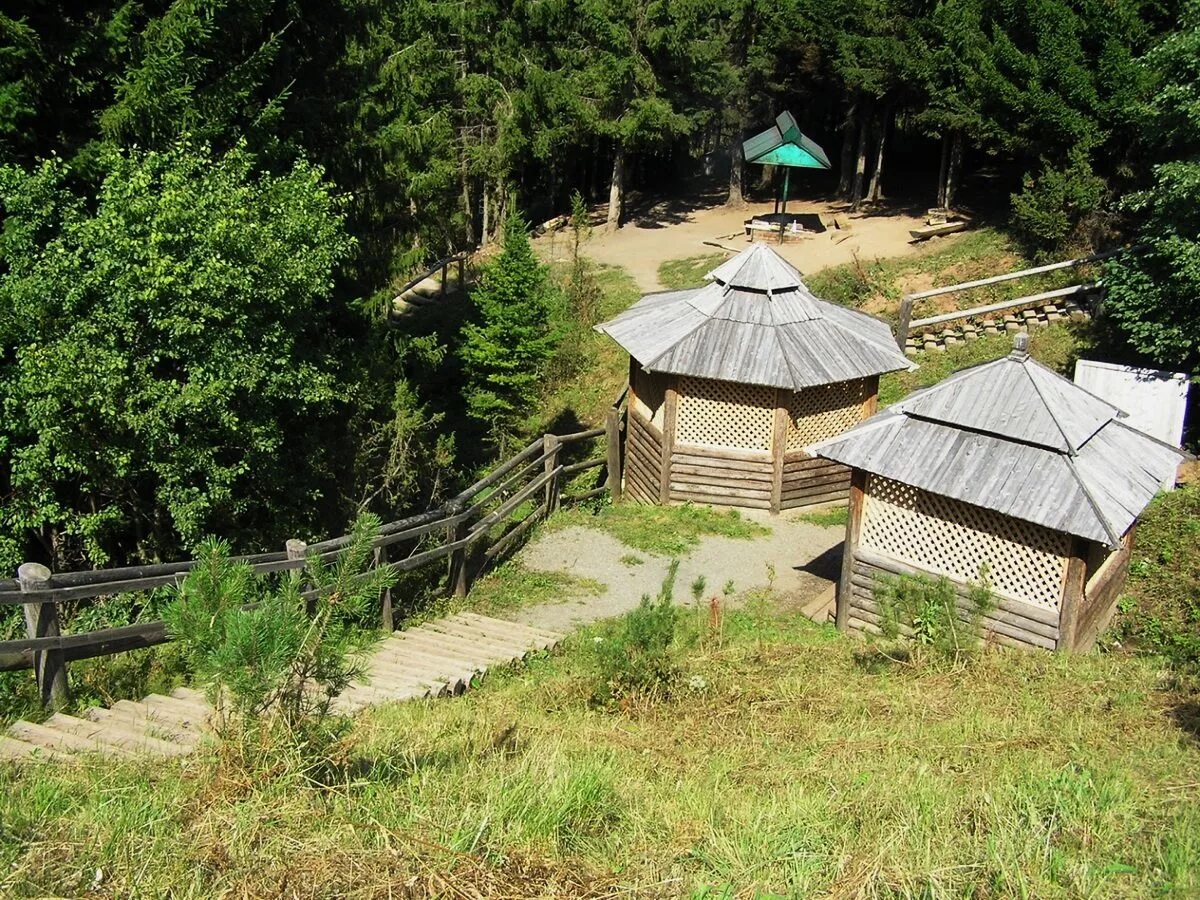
[924, 612]
[827, 518]
[1053, 209]
[271, 656]
[164, 370]
[505, 355]
[681, 274]
[637, 658]
[1151, 294]
[1160, 611]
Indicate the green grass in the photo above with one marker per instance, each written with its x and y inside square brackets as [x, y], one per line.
[1056, 346]
[827, 518]
[979, 253]
[679, 274]
[790, 770]
[512, 586]
[1160, 611]
[663, 530]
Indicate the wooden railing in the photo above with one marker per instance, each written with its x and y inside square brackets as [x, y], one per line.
[442, 266]
[471, 530]
[906, 325]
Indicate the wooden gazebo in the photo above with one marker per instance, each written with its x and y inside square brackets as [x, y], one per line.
[1006, 469]
[728, 383]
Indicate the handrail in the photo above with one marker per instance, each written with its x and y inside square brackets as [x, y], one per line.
[1085, 288]
[472, 516]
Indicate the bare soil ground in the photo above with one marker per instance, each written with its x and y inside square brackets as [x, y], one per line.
[798, 559]
[663, 230]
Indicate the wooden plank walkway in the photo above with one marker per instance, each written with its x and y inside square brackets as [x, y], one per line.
[436, 659]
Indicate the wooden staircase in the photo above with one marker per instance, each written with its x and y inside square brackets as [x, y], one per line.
[435, 659]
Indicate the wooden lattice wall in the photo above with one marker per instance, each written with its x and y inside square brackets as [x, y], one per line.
[725, 414]
[822, 412]
[936, 534]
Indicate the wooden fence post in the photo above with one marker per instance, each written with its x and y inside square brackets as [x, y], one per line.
[295, 549]
[462, 274]
[550, 449]
[612, 430]
[906, 308]
[385, 601]
[459, 575]
[858, 487]
[41, 620]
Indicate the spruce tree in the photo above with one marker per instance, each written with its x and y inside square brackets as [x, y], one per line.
[505, 352]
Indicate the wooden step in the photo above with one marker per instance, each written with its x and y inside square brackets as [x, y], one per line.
[382, 672]
[147, 723]
[485, 649]
[116, 734]
[398, 647]
[183, 711]
[15, 749]
[543, 637]
[492, 645]
[458, 677]
[449, 650]
[169, 717]
[519, 646]
[55, 739]
[197, 707]
[383, 680]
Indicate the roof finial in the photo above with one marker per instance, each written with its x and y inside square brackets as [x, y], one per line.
[1020, 346]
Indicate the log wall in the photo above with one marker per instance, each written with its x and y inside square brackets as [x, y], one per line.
[809, 480]
[1010, 622]
[643, 458]
[724, 477]
[1100, 595]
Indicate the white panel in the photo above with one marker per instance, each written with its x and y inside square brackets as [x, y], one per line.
[1154, 401]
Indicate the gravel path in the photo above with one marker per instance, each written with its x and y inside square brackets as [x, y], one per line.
[806, 559]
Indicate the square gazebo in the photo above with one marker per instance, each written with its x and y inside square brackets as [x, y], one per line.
[728, 383]
[1004, 469]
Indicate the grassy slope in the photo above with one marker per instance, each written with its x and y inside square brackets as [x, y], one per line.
[794, 770]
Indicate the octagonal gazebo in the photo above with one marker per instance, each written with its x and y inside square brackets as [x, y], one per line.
[728, 383]
[1005, 471]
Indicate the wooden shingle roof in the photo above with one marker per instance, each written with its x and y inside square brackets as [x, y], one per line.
[1014, 437]
[755, 322]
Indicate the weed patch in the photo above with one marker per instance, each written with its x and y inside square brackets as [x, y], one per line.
[834, 517]
[681, 274]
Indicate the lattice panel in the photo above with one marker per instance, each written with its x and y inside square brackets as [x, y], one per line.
[724, 414]
[650, 394]
[818, 413]
[1025, 561]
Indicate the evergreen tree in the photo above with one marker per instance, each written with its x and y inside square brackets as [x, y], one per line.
[505, 354]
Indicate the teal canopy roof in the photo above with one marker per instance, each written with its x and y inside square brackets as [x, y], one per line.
[783, 145]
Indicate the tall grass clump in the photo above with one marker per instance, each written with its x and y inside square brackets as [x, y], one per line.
[638, 659]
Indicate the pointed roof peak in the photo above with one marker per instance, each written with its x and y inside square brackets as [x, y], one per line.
[758, 268]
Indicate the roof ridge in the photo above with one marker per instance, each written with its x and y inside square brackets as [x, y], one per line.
[1108, 529]
[1071, 448]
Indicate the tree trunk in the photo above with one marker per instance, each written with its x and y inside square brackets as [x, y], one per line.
[943, 171]
[468, 209]
[487, 234]
[874, 194]
[736, 170]
[616, 191]
[849, 132]
[954, 170]
[860, 165]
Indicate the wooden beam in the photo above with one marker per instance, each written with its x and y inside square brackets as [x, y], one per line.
[1072, 598]
[778, 448]
[858, 486]
[670, 415]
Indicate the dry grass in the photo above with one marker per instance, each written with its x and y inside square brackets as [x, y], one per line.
[794, 769]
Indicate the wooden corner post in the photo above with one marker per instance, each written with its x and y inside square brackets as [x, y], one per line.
[459, 575]
[670, 415]
[1072, 598]
[386, 620]
[41, 621]
[551, 447]
[778, 448]
[858, 488]
[612, 434]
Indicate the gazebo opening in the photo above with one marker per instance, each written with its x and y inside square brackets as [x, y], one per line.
[731, 381]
